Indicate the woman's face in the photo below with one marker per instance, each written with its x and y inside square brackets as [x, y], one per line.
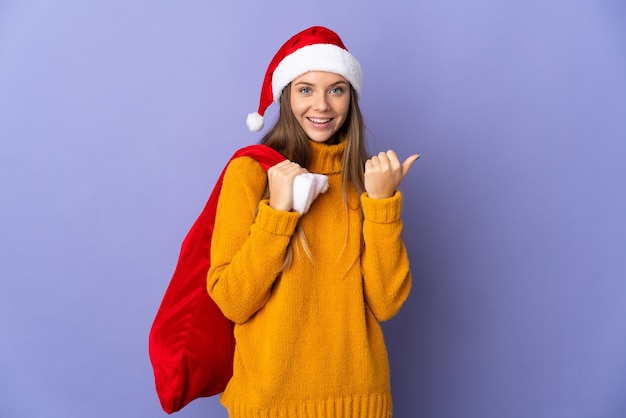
[320, 103]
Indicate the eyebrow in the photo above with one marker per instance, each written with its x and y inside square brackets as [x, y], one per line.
[305, 83]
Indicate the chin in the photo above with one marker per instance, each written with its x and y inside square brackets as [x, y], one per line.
[330, 139]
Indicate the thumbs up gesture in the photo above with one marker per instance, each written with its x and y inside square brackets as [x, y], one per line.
[384, 173]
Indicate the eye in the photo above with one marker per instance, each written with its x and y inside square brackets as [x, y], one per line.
[305, 90]
[336, 90]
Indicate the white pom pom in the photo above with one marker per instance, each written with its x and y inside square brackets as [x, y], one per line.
[254, 122]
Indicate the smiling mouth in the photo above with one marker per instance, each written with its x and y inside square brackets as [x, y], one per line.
[320, 120]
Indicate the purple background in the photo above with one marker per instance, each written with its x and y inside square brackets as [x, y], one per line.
[116, 117]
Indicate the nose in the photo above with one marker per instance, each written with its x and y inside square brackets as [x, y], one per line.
[321, 103]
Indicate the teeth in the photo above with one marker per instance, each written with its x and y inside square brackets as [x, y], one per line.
[317, 120]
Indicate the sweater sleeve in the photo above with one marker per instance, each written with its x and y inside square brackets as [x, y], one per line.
[384, 260]
[248, 245]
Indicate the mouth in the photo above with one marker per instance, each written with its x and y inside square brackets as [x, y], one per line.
[319, 121]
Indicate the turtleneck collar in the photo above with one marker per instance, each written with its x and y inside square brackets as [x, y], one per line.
[326, 159]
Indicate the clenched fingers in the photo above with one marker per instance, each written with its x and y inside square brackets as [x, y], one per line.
[384, 173]
[280, 180]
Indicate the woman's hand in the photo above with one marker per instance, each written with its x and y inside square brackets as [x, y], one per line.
[384, 173]
[280, 179]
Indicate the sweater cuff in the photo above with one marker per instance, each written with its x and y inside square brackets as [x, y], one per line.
[274, 221]
[382, 211]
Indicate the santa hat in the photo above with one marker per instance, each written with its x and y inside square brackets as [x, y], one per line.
[314, 49]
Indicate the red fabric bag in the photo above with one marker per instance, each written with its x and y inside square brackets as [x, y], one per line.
[191, 343]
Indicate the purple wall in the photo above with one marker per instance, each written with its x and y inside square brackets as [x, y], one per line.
[116, 117]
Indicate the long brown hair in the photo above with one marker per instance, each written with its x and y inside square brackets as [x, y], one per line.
[288, 138]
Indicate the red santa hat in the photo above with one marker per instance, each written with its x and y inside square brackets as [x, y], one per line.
[314, 49]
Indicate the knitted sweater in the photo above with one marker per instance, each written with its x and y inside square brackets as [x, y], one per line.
[309, 343]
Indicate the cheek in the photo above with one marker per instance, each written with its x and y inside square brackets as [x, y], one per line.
[343, 108]
[296, 107]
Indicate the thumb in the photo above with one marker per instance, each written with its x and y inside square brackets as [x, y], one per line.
[406, 165]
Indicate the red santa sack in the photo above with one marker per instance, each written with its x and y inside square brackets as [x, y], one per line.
[191, 343]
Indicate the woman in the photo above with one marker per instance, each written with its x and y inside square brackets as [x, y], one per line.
[307, 290]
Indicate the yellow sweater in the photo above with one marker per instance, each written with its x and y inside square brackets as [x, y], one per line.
[309, 343]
